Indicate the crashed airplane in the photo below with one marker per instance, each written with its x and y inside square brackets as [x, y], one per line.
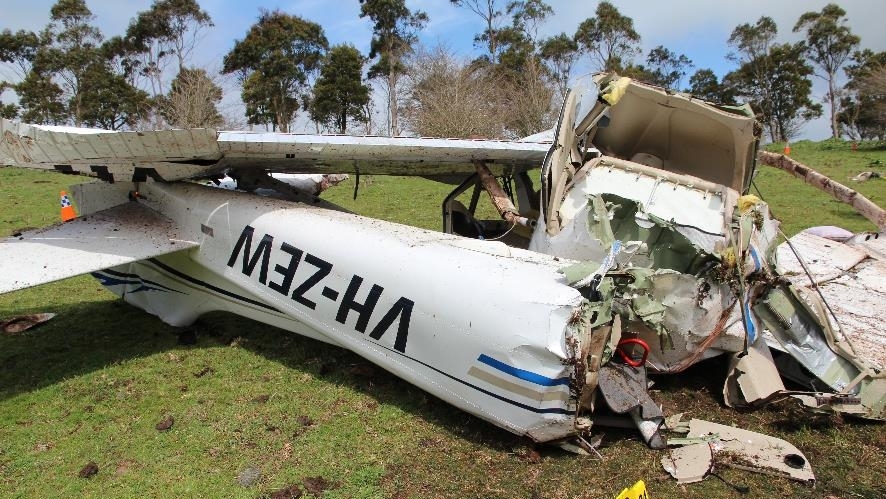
[639, 251]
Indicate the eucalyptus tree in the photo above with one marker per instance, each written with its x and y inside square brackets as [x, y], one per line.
[17, 50]
[72, 54]
[169, 28]
[705, 85]
[559, 54]
[274, 62]
[829, 43]
[785, 85]
[394, 33]
[493, 14]
[751, 44]
[609, 38]
[339, 93]
[863, 107]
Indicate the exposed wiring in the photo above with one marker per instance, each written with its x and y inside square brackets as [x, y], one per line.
[503, 235]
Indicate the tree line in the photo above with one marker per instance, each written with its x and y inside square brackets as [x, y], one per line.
[68, 73]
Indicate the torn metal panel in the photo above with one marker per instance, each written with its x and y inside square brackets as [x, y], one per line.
[824, 258]
[751, 451]
[799, 332]
[853, 287]
[736, 448]
[752, 378]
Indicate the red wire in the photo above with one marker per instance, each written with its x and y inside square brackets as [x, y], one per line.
[633, 341]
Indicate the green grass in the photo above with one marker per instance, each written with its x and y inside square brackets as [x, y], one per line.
[800, 206]
[92, 384]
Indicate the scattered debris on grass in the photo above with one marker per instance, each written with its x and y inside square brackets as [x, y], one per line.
[249, 476]
[316, 485]
[166, 424]
[22, 323]
[528, 454]
[290, 492]
[710, 445]
[89, 470]
[865, 176]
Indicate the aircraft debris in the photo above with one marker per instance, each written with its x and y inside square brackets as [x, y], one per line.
[639, 252]
[22, 323]
[624, 389]
[710, 445]
[249, 476]
[865, 176]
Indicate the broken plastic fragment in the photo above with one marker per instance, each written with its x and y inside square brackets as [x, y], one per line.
[690, 463]
[735, 448]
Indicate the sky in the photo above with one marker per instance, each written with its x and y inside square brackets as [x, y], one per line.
[697, 28]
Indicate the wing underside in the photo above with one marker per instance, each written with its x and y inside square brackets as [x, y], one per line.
[119, 235]
[180, 154]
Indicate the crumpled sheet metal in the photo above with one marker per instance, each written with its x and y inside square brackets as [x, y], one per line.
[735, 448]
[852, 279]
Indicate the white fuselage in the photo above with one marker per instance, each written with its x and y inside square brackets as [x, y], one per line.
[478, 324]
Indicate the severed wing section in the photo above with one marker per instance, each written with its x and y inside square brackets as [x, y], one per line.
[123, 234]
[180, 154]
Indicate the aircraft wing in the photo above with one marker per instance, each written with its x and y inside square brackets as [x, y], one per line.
[180, 154]
[123, 234]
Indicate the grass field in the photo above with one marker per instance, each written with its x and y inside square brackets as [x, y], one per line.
[255, 409]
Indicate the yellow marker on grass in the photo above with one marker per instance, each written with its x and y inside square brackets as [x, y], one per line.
[637, 491]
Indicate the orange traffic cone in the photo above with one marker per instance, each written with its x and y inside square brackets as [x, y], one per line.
[787, 148]
[67, 208]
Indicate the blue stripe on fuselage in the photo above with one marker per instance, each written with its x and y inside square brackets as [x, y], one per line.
[523, 374]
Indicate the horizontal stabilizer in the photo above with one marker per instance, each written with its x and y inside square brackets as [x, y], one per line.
[123, 234]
